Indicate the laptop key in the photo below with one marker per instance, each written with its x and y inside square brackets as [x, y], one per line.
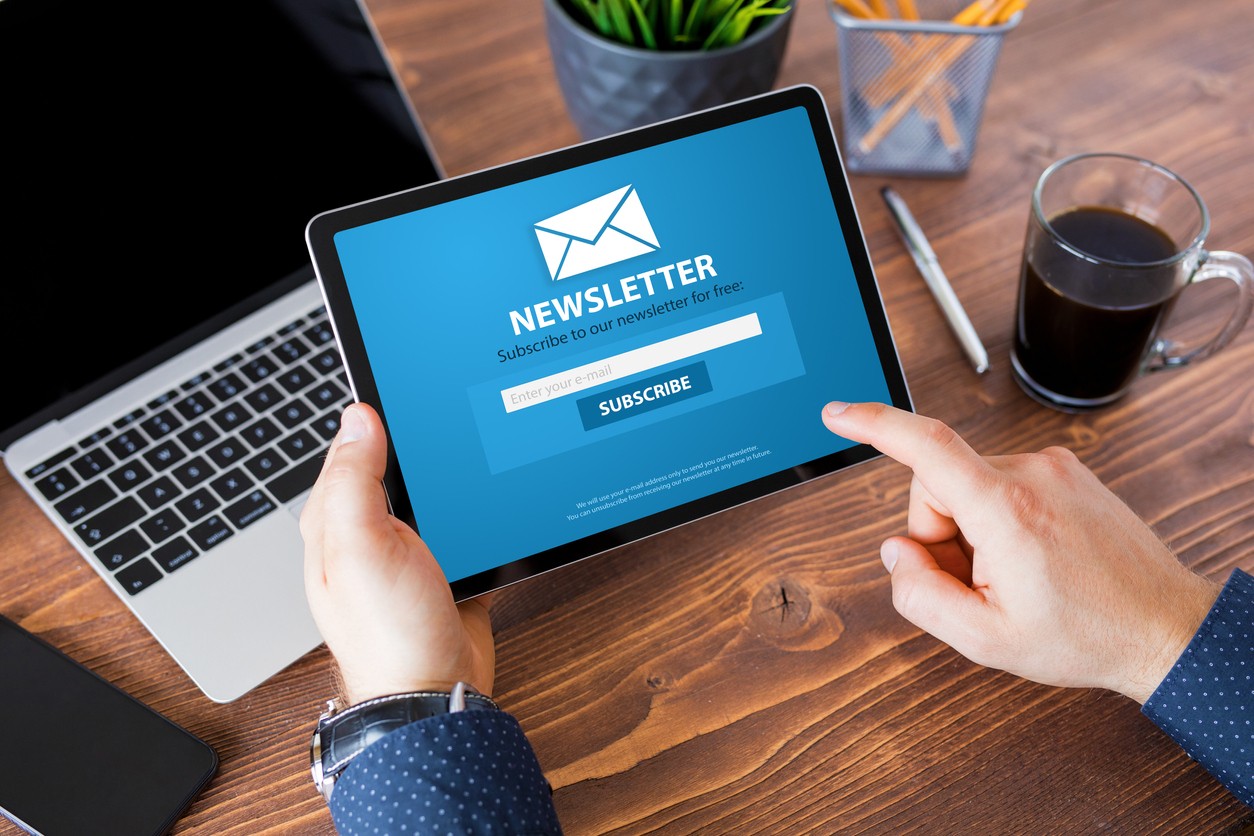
[194, 405]
[328, 425]
[91, 498]
[162, 525]
[110, 521]
[162, 424]
[264, 397]
[232, 483]
[196, 504]
[300, 444]
[164, 455]
[194, 381]
[259, 369]
[266, 463]
[230, 417]
[139, 575]
[260, 344]
[43, 466]
[226, 453]
[293, 413]
[320, 334]
[229, 363]
[327, 361]
[162, 399]
[178, 552]
[130, 475]
[95, 438]
[326, 394]
[296, 378]
[126, 444]
[290, 350]
[198, 435]
[92, 464]
[210, 533]
[121, 549]
[192, 472]
[261, 432]
[251, 508]
[57, 483]
[296, 481]
[158, 493]
[129, 418]
[226, 387]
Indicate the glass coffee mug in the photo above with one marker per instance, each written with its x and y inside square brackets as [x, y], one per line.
[1112, 242]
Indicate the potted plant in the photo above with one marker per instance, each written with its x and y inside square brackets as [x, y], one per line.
[625, 63]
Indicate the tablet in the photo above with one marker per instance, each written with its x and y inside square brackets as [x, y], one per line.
[584, 348]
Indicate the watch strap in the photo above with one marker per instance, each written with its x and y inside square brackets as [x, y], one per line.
[342, 735]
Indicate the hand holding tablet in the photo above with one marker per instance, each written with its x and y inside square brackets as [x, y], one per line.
[584, 348]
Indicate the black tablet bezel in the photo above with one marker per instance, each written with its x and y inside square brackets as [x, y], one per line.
[320, 239]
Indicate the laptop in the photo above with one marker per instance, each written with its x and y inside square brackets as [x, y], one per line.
[173, 379]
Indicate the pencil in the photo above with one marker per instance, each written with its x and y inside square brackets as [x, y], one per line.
[933, 66]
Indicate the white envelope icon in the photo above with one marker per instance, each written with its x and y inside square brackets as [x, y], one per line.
[605, 230]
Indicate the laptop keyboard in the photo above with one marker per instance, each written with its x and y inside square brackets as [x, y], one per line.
[166, 483]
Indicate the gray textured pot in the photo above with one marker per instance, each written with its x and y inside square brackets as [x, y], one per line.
[610, 87]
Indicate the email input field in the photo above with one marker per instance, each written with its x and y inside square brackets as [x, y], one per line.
[628, 363]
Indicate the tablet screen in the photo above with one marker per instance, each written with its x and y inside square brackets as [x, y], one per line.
[581, 349]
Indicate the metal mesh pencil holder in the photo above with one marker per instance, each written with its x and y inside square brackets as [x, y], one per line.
[912, 92]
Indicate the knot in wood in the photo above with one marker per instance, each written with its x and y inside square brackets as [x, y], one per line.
[785, 614]
[659, 681]
[780, 608]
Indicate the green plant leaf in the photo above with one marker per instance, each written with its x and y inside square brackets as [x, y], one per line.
[660, 14]
[675, 21]
[646, 26]
[742, 22]
[695, 15]
[620, 23]
[675, 24]
[715, 38]
[593, 14]
[717, 10]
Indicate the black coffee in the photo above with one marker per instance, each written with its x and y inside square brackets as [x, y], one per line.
[1084, 328]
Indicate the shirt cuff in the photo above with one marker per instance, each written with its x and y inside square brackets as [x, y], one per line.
[462, 772]
[1206, 702]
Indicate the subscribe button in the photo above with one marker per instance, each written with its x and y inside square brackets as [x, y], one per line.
[642, 396]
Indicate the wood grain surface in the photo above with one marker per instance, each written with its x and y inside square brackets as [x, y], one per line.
[747, 673]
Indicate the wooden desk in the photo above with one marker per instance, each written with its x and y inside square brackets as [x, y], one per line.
[700, 703]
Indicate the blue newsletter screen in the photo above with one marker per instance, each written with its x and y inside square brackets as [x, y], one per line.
[567, 354]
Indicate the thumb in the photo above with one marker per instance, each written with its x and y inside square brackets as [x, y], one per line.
[929, 597]
[360, 444]
[350, 481]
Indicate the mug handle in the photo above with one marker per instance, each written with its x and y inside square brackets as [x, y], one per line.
[1221, 264]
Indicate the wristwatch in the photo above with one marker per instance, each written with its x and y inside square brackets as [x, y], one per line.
[342, 735]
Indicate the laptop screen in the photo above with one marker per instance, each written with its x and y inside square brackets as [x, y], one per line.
[131, 130]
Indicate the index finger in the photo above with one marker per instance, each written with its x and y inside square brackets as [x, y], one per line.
[942, 461]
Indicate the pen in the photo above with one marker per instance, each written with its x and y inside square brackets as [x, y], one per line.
[925, 259]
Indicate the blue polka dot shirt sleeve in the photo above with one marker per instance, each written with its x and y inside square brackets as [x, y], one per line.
[1206, 703]
[470, 772]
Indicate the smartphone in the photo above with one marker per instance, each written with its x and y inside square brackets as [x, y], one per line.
[83, 756]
